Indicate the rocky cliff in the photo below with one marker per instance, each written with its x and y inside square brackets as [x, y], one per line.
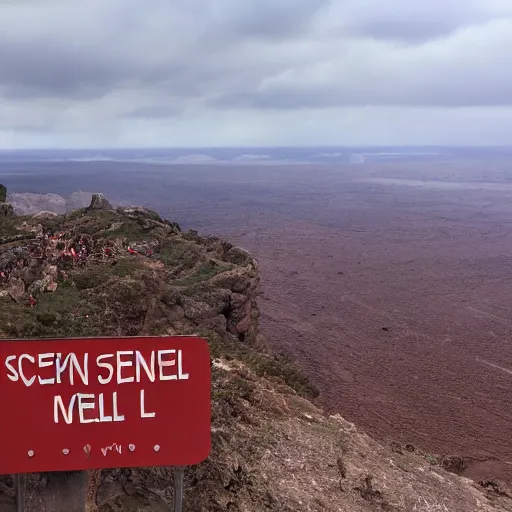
[6, 209]
[121, 272]
[126, 271]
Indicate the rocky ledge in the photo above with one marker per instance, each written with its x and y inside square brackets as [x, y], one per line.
[100, 271]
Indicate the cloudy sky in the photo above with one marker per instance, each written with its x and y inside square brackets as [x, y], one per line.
[123, 73]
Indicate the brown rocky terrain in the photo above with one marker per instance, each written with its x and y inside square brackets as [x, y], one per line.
[126, 271]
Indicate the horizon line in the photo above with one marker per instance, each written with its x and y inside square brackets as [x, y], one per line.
[173, 148]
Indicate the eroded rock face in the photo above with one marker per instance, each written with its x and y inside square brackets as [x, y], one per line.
[6, 210]
[99, 202]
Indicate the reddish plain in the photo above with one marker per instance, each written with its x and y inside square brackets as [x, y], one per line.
[390, 283]
[394, 296]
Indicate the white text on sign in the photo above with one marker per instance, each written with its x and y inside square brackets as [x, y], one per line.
[121, 367]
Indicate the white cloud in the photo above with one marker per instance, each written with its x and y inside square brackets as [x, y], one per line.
[226, 72]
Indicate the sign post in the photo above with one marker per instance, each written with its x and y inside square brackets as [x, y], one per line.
[178, 489]
[95, 403]
[19, 484]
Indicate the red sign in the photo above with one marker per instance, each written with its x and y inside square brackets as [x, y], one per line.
[81, 404]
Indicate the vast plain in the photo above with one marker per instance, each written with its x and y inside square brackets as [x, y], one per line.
[388, 280]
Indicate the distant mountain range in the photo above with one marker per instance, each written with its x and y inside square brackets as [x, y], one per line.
[248, 155]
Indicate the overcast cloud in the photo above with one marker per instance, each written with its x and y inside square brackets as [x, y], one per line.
[254, 72]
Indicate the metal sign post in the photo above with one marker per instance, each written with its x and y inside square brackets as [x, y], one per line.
[19, 486]
[178, 488]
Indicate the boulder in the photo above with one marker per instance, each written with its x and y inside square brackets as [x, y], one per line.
[99, 202]
[52, 271]
[39, 286]
[16, 289]
[3, 193]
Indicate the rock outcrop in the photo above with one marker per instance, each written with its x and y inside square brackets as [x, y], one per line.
[6, 209]
[99, 202]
